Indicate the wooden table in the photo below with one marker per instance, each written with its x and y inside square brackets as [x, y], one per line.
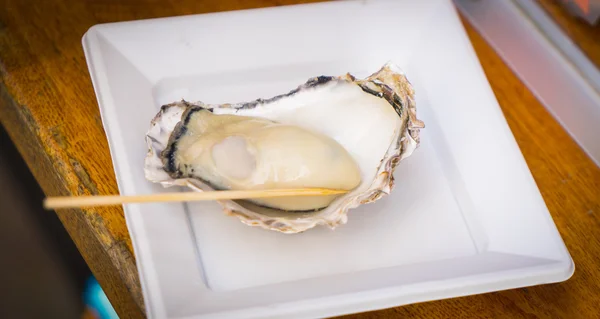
[49, 109]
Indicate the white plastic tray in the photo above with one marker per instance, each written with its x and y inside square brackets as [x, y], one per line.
[465, 217]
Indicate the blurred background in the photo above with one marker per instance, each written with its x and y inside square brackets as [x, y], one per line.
[42, 274]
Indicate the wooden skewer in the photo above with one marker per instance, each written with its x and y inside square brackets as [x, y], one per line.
[107, 200]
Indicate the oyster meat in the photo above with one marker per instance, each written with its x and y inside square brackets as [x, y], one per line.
[331, 132]
[241, 152]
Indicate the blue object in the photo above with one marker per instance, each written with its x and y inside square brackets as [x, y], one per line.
[94, 297]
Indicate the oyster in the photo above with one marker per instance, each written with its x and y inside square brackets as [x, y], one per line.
[335, 132]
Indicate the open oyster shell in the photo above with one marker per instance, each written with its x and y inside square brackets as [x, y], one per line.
[349, 110]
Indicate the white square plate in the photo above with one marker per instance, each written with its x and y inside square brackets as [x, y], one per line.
[465, 217]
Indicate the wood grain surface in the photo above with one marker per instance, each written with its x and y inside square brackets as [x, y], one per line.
[48, 107]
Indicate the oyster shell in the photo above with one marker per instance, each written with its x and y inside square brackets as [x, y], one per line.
[373, 119]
